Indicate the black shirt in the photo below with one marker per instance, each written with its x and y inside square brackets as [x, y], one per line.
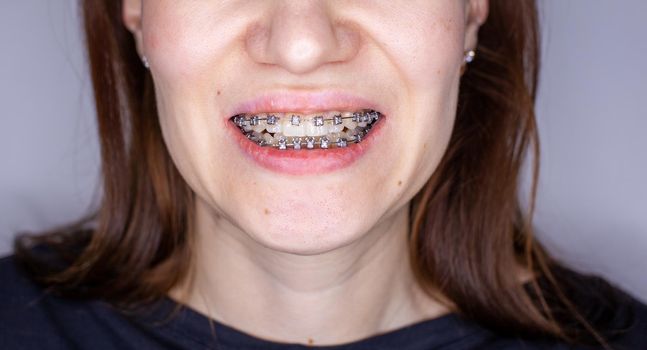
[33, 319]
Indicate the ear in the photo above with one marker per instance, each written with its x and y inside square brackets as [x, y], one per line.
[476, 12]
[132, 18]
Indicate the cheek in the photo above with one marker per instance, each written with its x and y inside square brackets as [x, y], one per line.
[429, 59]
[184, 43]
[434, 63]
[184, 47]
[427, 53]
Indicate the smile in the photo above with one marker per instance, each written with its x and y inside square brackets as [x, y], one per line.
[324, 130]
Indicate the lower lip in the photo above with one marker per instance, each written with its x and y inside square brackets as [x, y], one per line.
[305, 161]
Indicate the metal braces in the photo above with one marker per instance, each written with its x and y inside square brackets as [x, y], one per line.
[368, 116]
[309, 142]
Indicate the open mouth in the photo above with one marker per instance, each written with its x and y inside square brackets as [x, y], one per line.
[324, 130]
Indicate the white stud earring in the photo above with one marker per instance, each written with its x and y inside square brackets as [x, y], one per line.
[145, 62]
[469, 56]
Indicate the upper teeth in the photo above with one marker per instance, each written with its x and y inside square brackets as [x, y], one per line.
[293, 129]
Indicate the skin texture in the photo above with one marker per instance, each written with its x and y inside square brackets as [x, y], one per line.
[320, 258]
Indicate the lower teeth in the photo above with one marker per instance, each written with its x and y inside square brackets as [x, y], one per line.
[313, 142]
[366, 119]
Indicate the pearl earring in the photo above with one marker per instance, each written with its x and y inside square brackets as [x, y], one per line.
[469, 56]
[145, 62]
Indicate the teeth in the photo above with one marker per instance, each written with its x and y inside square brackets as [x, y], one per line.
[256, 124]
[335, 122]
[273, 128]
[273, 123]
[347, 120]
[335, 128]
[269, 139]
[313, 130]
[297, 131]
[293, 126]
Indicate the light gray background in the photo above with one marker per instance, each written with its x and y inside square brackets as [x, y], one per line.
[592, 111]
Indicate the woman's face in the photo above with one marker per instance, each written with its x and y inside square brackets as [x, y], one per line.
[213, 59]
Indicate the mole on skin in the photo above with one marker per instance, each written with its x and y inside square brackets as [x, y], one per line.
[266, 211]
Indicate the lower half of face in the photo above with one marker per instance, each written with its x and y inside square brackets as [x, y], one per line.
[305, 125]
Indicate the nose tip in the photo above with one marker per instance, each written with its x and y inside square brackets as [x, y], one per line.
[301, 54]
[300, 37]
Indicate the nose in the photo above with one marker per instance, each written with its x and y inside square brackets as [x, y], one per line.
[301, 36]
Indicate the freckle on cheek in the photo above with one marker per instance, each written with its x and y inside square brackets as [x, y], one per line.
[400, 183]
[448, 25]
[218, 92]
[266, 211]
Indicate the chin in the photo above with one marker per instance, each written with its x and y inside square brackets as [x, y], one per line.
[305, 237]
[306, 216]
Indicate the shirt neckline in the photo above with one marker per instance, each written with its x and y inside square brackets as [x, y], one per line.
[196, 326]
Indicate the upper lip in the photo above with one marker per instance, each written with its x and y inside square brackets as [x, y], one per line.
[305, 102]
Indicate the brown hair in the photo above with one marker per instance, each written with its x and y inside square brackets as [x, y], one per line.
[469, 233]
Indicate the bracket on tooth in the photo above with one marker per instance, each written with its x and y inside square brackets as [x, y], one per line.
[310, 143]
[283, 143]
[296, 143]
[239, 120]
[323, 142]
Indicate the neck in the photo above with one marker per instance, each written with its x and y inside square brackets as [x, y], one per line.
[358, 290]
